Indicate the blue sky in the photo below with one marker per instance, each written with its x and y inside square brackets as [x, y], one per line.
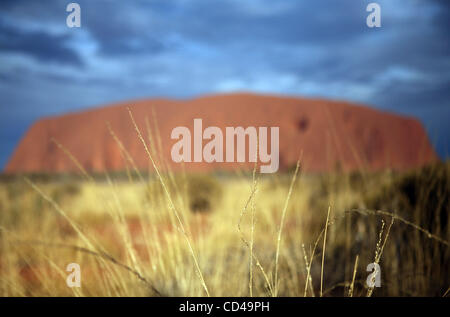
[186, 48]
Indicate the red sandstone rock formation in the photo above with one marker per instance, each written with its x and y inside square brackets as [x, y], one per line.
[329, 133]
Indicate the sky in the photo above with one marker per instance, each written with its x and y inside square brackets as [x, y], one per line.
[187, 48]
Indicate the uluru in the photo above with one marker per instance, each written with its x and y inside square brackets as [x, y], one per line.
[329, 134]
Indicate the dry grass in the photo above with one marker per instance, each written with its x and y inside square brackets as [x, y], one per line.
[128, 242]
[253, 236]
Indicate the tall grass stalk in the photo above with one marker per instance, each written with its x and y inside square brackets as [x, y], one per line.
[323, 251]
[171, 204]
[280, 229]
[352, 285]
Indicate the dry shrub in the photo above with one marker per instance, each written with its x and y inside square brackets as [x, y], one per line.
[204, 192]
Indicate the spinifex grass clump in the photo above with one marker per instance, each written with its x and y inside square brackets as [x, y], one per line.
[422, 195]
[204, 192]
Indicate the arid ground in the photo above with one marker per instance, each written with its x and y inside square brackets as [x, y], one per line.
[226, 234]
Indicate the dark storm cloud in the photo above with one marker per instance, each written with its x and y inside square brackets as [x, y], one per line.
[133, 49]
[118, 31]
[38, 44]
[297, 22]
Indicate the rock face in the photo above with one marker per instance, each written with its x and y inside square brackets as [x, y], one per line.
[329, 133]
